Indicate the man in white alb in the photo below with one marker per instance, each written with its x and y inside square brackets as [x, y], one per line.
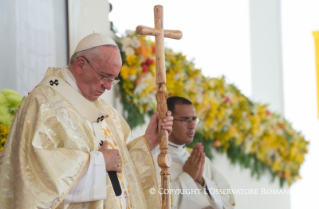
[191, 171]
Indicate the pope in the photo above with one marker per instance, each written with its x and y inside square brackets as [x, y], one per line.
[69, 148]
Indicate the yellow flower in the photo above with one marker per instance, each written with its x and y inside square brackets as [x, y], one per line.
[133, 60]
[4, 131]
[124, 71]
[276, 166]
[227, 115]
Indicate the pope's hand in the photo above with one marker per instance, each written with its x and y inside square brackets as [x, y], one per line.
[112, 158]
[151, 133]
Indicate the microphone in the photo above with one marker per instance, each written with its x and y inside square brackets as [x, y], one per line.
[115, 183]
[114, 180]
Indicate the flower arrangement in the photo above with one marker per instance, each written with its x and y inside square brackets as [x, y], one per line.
[248, 132]
[9, 103]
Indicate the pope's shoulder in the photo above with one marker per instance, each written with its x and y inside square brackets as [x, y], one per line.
[42, 93]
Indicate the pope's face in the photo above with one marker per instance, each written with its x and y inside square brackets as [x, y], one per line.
[183, 132]
[107, 65]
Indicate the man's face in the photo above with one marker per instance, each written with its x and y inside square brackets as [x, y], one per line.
[107, 65]
[183, 132]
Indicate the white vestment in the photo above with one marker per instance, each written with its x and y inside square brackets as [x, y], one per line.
[194, 195]
[93, 176]
[51, 157]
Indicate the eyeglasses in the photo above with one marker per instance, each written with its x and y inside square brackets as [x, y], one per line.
[113, 81]
[187, 121]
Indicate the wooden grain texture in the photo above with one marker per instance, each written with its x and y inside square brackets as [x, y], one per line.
[164, 159]
[159, 45]
[144, 30]
[174, 34]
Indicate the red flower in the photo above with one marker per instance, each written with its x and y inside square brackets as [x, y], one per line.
[227, 100]
[153, 49]
[145, 68]
[267, 112]
[149, 61]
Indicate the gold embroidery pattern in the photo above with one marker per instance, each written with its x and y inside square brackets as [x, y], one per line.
[113, 145]
[53, 148]
[51, 152]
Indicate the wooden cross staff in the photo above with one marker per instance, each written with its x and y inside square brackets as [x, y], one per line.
[164, 159]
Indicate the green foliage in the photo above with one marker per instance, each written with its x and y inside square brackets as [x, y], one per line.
[9, 103]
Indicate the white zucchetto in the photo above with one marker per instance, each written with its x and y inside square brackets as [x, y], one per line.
[94, 40]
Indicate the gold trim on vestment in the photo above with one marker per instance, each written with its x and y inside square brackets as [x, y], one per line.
[150, 152]
[145, 169]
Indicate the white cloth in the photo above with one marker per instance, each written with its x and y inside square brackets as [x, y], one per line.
[69, 78]
[92, 183]
[181, 180]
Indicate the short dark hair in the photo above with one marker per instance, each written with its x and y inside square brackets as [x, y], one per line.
[172, 101]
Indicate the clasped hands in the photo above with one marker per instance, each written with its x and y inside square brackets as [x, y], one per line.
[194, 165]
[112, 157]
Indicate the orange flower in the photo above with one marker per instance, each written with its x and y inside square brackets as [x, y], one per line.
[217, 143]
[143, 50]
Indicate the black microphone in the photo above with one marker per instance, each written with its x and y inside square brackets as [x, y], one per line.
[115, 183]
[114, 180]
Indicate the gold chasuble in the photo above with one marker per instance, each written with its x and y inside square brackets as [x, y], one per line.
[48, 148]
